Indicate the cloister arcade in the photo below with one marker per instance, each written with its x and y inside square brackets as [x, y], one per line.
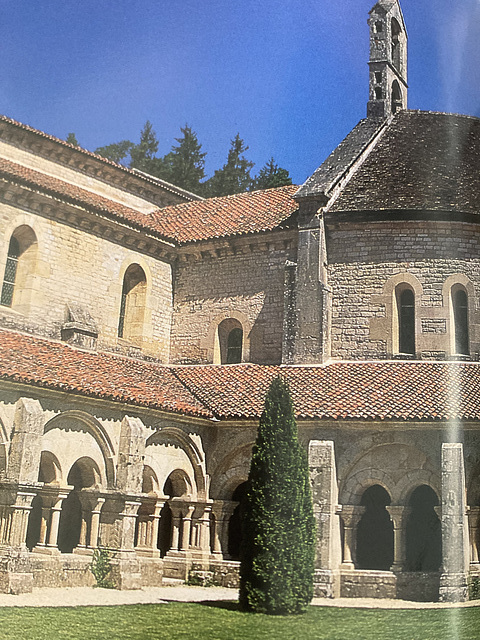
[156, 495]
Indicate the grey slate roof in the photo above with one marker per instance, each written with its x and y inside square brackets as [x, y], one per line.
[326, 176]
[424, 161]
[418, 161]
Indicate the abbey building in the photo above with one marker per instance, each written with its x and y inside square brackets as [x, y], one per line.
[141, 327]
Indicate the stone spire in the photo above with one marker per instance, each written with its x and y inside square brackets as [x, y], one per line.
[388, 60]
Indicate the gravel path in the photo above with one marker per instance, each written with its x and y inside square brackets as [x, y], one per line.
[88, 596]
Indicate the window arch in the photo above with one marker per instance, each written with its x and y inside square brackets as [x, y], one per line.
[460, 320]
[396, 44]
[132, 305]
[229, 342]
[20, 265]
[396, 97]
[405, 298]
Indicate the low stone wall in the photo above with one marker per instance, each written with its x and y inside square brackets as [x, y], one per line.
[420, 587]
[62, 570]
[368, 584]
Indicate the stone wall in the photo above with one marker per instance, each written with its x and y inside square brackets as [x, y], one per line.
[363, 258]
[72, 266]
[246, 283]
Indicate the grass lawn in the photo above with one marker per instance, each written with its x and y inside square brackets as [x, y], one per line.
[222, 621]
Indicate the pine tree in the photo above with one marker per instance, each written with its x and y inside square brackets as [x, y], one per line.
[270, 176]
[117, 151]
[143, 154]
[234, 176]
[72, 139]
[277, 558]
[187, 161]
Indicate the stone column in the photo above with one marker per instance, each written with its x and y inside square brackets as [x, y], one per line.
[176, 526]
[55, 521]
[204, 521]
[473, 528]
[42, 540]
[17, 526]
[323, 478]
[187, 527]
[95, 524]
[398, 515]
[155, 526]
[453, 581]
[351, 516]
[223, 511]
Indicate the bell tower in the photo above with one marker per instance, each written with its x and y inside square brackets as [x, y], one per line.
[388, 60]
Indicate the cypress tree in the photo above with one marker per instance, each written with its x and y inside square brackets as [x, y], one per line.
[277, 555]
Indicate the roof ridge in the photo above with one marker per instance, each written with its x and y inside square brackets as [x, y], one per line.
[134, 172]
[336, 188]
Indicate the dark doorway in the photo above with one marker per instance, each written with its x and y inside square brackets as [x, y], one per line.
[164, 542]
[34, 523]
[235, 523]
[424, 533]
[375, 531]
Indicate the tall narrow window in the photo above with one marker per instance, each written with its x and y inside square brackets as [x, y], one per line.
[460, 319]
[10, 272]
[229, 346]
[18, 278]
[406, 321]
[132, 304]
[234, 346]
[396, 97]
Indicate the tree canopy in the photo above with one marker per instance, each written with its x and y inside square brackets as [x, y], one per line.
[184, 164]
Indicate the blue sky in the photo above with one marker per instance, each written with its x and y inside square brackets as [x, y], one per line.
[290, 76]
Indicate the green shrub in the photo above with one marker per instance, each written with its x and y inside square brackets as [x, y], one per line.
[277, 554]
[101, 567]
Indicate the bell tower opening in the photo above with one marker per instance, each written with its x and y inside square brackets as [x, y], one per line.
[388, 60]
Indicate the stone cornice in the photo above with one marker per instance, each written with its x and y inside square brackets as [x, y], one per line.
[153, 190]
[277, 240]
[86, 219]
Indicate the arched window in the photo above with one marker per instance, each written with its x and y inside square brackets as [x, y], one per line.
[229, 342]
[406, 320]
[396, 45]
[19, 266]
[132, 306]
[460, 321]
[234, 346]
[396, 97]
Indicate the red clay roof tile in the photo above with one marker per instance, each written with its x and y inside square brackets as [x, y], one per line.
[58, 366]
[390, 391]
[188, 222]
[238, 214]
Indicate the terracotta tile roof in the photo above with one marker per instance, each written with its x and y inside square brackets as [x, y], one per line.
[230, 215]
[386, 391]
[344, 390]
[191, 221]
[68, 192]
[60, 367]
[424, 161]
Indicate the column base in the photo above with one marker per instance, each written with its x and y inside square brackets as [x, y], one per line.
[453, 587]
[126, 574]
[46, 551]
[326, 583]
